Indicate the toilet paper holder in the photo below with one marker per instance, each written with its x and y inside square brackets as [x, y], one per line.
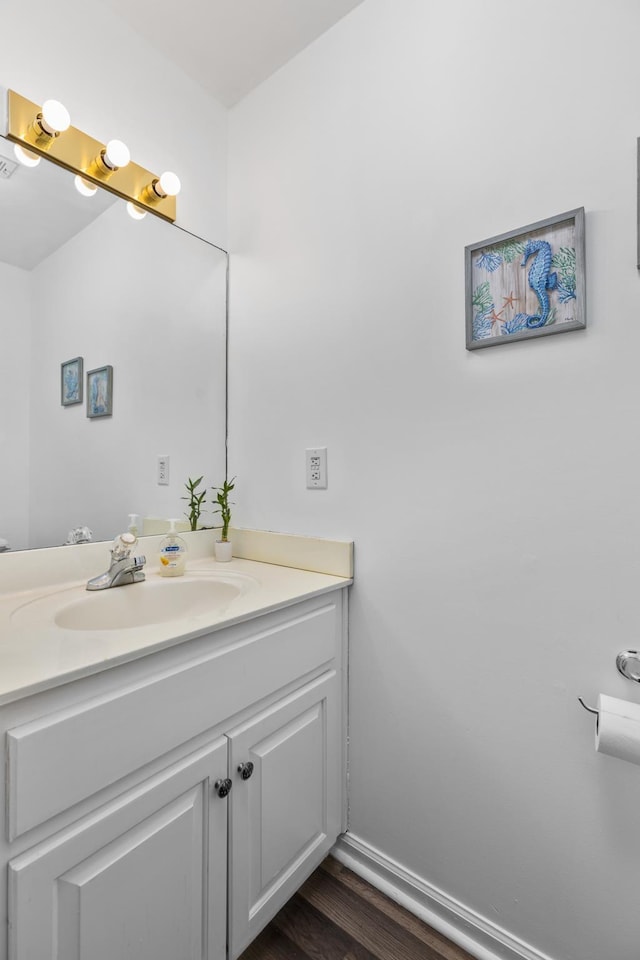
[628, 664]
[587, 707]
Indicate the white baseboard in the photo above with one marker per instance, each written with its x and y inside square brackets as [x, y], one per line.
[474, 933]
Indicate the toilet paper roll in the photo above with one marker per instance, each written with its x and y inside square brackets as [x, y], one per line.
[618, 729]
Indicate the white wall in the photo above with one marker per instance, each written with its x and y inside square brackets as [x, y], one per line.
[15, 381]
[492, 495]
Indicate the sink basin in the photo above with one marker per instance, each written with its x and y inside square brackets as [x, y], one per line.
[134, 605]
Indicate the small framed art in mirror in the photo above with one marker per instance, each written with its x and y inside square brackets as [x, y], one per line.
[100, 392]
[71, 382]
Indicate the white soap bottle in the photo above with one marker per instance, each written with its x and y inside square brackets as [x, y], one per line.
[173, 553]
[134, 524]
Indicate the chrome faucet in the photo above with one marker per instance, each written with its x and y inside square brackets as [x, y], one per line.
[123, 568]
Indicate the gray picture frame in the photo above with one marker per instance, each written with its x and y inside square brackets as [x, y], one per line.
[71, 382]
[100, 392]
[551, 290]
[638, 205]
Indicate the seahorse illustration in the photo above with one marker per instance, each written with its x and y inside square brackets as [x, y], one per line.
[540, 278]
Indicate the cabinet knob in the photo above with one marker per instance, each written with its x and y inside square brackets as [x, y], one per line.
[245, 770]
[222, 787]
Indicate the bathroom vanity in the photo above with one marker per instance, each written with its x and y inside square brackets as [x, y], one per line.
[168, 785]
[173, 750]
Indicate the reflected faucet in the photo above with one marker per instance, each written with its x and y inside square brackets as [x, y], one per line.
[123, 568]
[79, 535]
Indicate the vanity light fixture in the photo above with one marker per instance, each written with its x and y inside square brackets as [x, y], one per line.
[46, 131]
[113, 157]
[26, 157]
[167, 185]
[85, 187]
[135, 212]
[52, 120]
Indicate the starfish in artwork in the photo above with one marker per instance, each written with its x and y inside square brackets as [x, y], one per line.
[509, 301]
[495, 317]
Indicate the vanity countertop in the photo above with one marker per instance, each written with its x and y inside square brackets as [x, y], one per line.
[36, 653]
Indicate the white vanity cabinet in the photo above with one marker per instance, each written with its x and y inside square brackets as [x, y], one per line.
[143, 877]
[167, 808]
[288, 812]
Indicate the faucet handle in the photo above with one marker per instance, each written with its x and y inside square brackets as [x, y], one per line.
[123, 545]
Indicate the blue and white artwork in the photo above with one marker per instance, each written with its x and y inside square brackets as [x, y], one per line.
[71, 382]
[100, 392]
[527, 283]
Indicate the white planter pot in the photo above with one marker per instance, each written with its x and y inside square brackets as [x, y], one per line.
[224, 550]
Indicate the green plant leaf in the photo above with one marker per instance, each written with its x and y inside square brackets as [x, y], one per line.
[195, 501]
[509, 250]
[482, 297]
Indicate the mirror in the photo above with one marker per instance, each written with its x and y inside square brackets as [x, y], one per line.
[80, 278]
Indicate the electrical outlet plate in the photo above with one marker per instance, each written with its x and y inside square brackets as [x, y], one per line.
[163, 470]
[316, 458]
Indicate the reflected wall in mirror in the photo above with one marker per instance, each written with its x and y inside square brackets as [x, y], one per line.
[80, 278]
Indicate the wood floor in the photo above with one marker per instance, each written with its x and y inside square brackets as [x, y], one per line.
[338, 916]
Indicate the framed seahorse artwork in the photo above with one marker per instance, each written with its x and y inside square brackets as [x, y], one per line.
[526, 283]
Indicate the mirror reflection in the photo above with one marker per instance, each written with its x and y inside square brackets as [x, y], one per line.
[80, 279]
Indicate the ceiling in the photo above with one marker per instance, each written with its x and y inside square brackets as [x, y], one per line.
[230, 46]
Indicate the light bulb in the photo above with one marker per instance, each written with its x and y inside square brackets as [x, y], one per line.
[85, 187]
[116, 154]
[26, 157]
[54, 117]
[135, 212]
[168, 185]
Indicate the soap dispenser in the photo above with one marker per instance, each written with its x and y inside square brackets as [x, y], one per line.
[173, 553]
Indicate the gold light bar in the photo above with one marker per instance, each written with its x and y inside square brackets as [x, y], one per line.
[77, 152]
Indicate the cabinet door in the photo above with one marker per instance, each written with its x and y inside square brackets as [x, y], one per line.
[143, 878]
[286, 815]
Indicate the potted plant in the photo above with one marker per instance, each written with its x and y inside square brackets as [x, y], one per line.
[223, 546]
[196, 499]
